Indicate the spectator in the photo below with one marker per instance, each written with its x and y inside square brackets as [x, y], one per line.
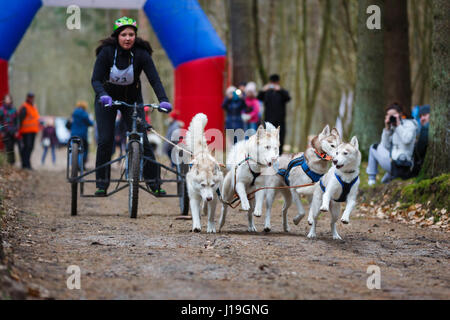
[420, 148]
[251, 114]
[275, 99]
[395, 152]
[8, 127]
[415, 111]
[234, 105]
[29, 127]
[49, 140]
[80, 124]
[241, 88]
[172, 134]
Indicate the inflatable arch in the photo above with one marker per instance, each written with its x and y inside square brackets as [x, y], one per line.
[183, 29]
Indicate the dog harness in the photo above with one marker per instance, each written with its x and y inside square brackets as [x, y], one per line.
[346, 187]
[254, 174]
[295, 163]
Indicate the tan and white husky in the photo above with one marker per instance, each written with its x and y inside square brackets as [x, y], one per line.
[309, 169]
[204, 176]
[340, 184]
[246, 162]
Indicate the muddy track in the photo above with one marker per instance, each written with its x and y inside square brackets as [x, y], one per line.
[157, 257]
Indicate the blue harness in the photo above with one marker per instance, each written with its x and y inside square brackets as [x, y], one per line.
[295, 163]
[346, 187]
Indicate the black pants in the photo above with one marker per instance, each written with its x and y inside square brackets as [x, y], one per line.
[26, 149]
[86, 151]
[106, 119]
[9, 141]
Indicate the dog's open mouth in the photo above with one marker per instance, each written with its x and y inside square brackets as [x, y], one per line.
[339, 166]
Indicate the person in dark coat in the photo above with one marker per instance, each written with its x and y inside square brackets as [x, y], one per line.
[116, 76]
[49, 140]
[80, 125]
[234, 106]
[275, 99]
[8, 127]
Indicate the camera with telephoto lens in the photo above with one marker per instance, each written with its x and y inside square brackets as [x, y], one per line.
[392, 121]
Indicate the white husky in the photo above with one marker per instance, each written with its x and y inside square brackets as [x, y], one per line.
[204, 177]
[340, 184]
[245, 162]
[303, 168]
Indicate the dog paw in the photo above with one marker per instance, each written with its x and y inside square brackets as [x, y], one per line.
[257, 213]
[324, 208]
[336, 236]
[344, 221]
[245, 206]
[311, 235]
[211, 230]
[298, 218]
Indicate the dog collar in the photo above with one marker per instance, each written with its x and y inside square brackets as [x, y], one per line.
[323, 156]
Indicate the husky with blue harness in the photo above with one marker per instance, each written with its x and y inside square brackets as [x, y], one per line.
[339, 184]
[299, 169]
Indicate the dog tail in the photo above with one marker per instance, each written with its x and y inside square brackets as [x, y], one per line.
[195, 136]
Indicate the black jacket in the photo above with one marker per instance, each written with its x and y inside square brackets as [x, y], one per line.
[274, 105]
[130, 93]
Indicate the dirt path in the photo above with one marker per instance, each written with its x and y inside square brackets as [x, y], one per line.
[157, 257]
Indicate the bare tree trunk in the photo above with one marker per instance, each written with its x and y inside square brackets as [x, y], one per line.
[270, 33]
[259, 60]
[310, 97]
[437, 159]
[397, 74]
[369, 95]
[295, 140]
[241, 40]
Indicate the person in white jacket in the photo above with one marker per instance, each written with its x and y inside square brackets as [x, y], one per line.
[395, 152]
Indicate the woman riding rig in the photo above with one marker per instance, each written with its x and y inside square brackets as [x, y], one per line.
[120, 60]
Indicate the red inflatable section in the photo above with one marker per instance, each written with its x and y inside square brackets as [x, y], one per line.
[4, 88]
[199, 88]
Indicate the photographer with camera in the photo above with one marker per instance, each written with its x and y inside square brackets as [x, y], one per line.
[395, 152]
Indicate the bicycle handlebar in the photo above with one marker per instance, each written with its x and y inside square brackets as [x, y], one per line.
[140, 105]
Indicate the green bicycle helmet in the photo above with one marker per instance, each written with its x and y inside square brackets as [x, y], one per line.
[124, 22]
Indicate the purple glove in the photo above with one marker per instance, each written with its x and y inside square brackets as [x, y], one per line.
[106, 100]
[165, 106]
